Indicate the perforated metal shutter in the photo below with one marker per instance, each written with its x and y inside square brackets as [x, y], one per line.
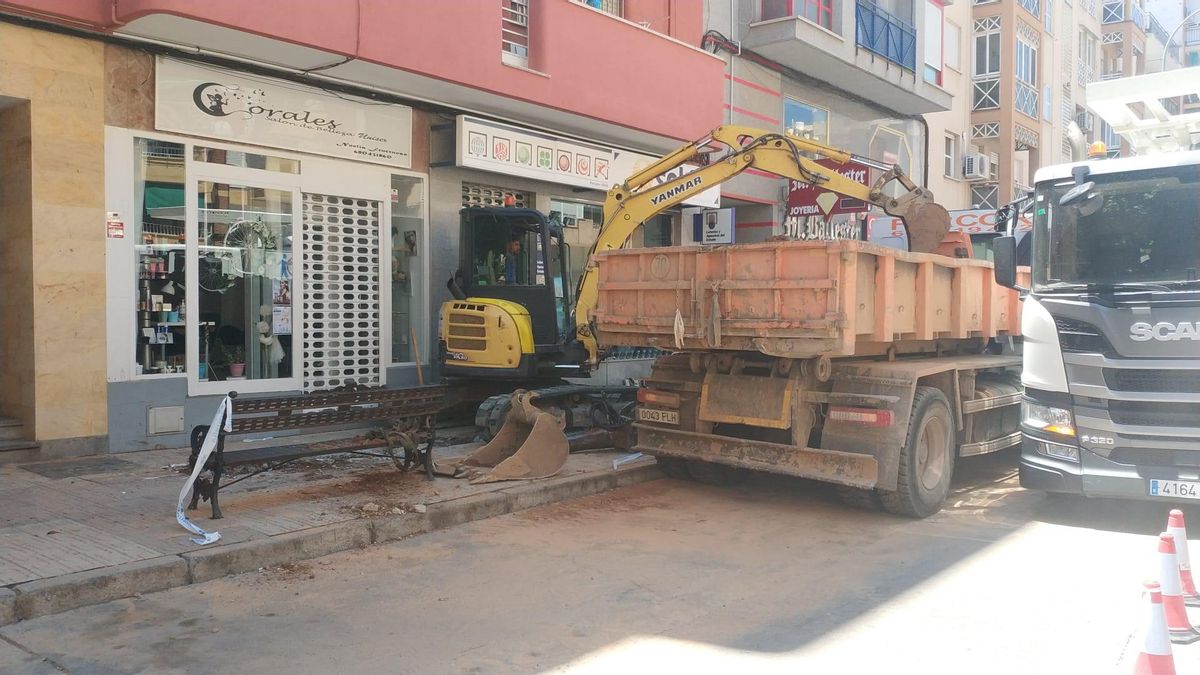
[476, 194]
[341, 292]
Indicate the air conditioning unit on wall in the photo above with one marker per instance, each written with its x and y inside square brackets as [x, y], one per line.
[977, 166]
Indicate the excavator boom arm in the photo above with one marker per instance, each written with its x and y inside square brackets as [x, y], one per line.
[637, 200]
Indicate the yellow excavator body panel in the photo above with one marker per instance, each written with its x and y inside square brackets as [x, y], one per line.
[486, 333]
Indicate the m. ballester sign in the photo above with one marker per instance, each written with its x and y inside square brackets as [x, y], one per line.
[206, 101]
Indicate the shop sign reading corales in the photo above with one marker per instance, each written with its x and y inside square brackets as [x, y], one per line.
[206, 101]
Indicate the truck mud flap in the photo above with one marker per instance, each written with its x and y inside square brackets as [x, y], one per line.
[832, 466]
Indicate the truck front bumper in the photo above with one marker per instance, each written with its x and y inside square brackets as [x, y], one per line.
[1094, 475]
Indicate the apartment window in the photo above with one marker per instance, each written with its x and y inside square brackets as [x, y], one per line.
[1048, 17]
[514, 32]
[987, 47]
[1047, 104]
[806, 120]
[952, 46]
[1087, 48]
[933, 42]
[950, 158]
[1026, 63]
[819, 12]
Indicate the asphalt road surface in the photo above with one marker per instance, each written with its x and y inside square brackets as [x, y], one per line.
[771, 576]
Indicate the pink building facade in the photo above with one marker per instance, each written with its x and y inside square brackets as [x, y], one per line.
[143, 139]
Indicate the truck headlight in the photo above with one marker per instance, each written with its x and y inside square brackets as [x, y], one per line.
[1047, 418]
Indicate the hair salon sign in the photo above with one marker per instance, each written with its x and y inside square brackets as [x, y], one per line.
[207, 101]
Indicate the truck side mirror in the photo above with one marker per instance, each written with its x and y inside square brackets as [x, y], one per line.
[1004, 257]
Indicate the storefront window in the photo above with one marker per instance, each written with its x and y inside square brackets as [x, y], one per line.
[158, 235]
[581, 225]
[245, 160]
[657, 231]
[245, 278]
[408, 277]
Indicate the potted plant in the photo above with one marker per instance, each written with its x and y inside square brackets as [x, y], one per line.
[235, 356]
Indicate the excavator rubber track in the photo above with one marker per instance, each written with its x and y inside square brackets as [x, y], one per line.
[491, 414]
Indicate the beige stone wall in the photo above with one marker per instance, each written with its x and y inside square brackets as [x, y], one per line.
[129, 91]
[63, 80]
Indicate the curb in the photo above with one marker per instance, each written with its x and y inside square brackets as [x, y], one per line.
[71, 591]
[8, 606]
[43, 597]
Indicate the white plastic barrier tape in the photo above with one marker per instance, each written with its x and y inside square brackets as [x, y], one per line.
[223, 418]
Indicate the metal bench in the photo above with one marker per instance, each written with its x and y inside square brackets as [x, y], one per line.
[404, 421]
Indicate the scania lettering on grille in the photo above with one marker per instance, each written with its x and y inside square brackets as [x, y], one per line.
[677, 190]
[1164, 331]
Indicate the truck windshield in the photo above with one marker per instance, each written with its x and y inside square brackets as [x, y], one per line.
[1136, 229]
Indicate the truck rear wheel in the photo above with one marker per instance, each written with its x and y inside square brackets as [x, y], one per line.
[926, 460]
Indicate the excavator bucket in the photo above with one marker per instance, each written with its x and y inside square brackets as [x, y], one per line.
[926, 224]
[531, 444]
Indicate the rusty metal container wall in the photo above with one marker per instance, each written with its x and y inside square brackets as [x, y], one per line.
[797, 298]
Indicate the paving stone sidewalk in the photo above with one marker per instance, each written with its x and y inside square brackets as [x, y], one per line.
[69, 516]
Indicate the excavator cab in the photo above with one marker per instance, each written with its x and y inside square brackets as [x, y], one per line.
[511, 317]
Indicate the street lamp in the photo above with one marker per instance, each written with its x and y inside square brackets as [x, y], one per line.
[1167, 46]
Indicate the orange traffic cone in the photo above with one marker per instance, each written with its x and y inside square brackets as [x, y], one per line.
[1178, 625]
[1155, 657]
[1176, 527]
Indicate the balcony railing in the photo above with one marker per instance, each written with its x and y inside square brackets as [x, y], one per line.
[1114, 12]
[1191, 35]
[879, 32]
[1139, 17]
[1111, 76]
[1026, 100]
[1156, 29]
[986, 94]
[1086, 73]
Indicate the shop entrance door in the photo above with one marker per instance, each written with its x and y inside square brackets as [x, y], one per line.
[242, 245]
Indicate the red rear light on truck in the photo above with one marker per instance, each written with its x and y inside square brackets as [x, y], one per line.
[866, 416]
[655, 397]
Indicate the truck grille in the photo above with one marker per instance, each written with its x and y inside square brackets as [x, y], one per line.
[1154, 414]
[1080, 337]
[1156, 457]
[1165, 381]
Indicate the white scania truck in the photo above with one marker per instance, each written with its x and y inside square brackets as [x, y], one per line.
[1111, 323]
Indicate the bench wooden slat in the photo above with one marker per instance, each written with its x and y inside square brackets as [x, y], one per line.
[428, 393]
[284, 452]
[308, 420]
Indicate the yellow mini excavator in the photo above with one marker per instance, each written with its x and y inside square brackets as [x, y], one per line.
[516, 318]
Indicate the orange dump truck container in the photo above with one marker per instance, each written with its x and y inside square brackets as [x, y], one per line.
[839, 361]
[798, 299]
